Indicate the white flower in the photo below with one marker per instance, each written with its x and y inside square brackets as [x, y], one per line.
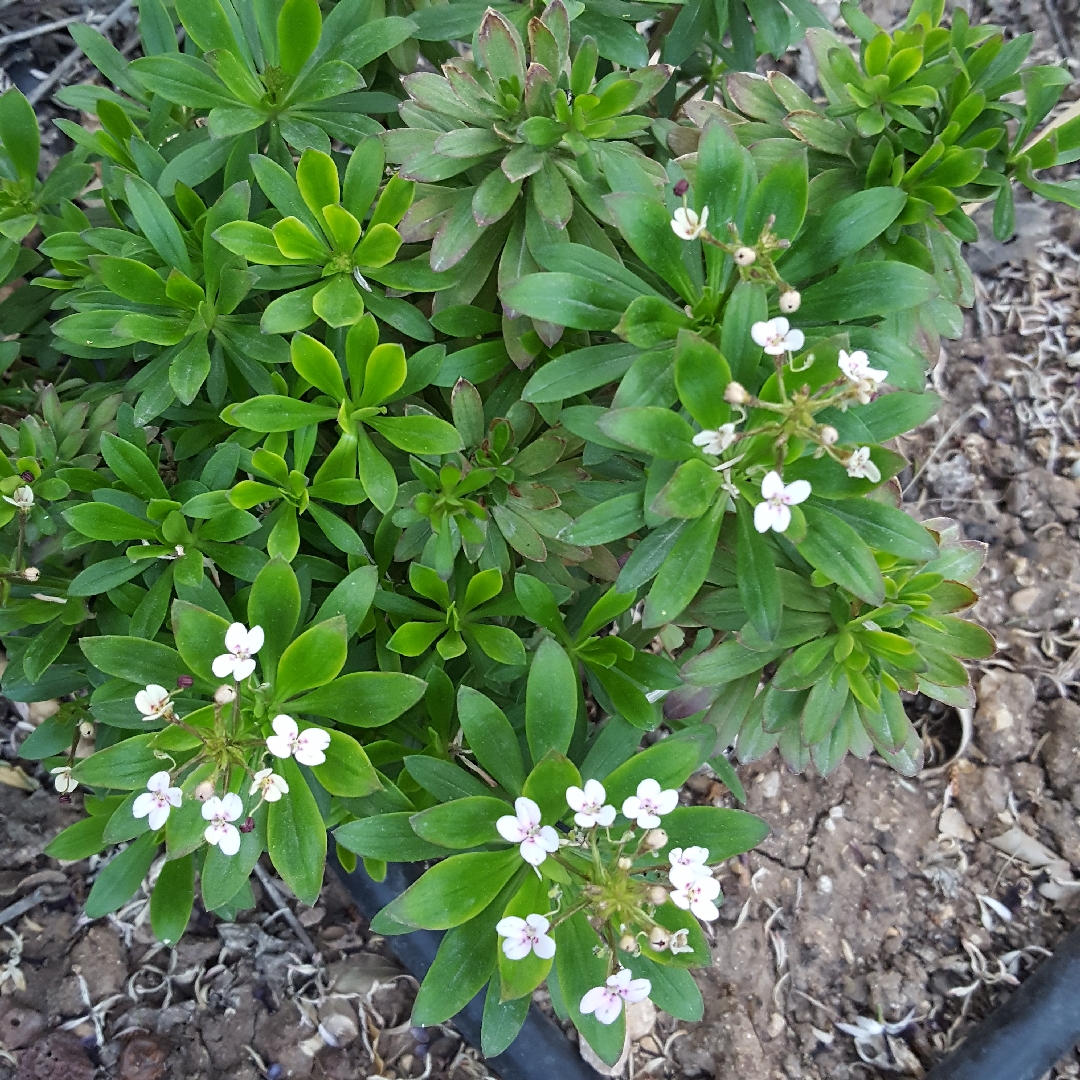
[589, 804]
[607, 1001]
[22, 498]
[680, 942]
[157, 800]
[242, 644]
[776, 337]
[773, 511]
[687, 865]
[856, 366]
[524, 936]
[716, 442]
[64, 783]
[523, 827]
[269, 784]
[306, 746]
[686, 224]
[31, 573]
[649, 803]
[220, 813]
[860, 467]
[153, 702]
[697, 897]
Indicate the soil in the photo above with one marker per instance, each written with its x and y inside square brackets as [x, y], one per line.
[877, 903]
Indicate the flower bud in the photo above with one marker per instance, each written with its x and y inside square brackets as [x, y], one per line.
[828, 435]
[681, 187]
[735, 394]
[184, 682]
[746, 256]
[225, 694]
[31, 573]
[790, 301]
[86, 729]
[657, 895]
[625, 863]
[205, 791]
[28, 476]
[655, 839]
[249, 824]
[628, 943]
[659, 938]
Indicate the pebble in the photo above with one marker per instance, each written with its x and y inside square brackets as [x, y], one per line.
[824, 884]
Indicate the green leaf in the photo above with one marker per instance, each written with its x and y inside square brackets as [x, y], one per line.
[701, 376]
[389, 837]
[417, 434]
[866, 289]
[567, 299]
[117, 883]
[746, 306]
[759, 583]
[19, 134]
[519, 978]
[444, 779]
[299, 27]
[135, 660]
[836, 549]
[347, 772]
[313, 659]
[102, 576]
[723, 663]
[502, 1020]
[296, 835]
[551, 700]
[669, 762]
[724, 832]
[452, 891]
[684, 570]
[200, 637]
[273, 412]
[316, 363]
[103, 521]
[274, 604]
[886, 528]
[124, 766]
[646, 224]
[462, 823]
[578, 372]
[579, 970]
[654, 431]
[610, 520]
[690, 491]
[465, 960]
[546, 785]
[79, 841]
[363, 698]
[491, 738]
[223, 876]
[157, 223]
[172, 900]
[673, 989]
[783, 192]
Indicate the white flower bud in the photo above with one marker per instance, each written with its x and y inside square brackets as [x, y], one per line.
[31, 573]
[628, 943]
[735, 394]
[790, 301]
[86, 729]
[746, 256]
[657, 895]
[655, 839]
[225, 694]
[828, 435]
[625, 863]
[659, 938]
[205, 791]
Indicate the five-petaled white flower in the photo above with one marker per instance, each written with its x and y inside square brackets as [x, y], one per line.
[860, 467]
[774, 512]
[22, 498]
[864, 379]
[687, 864]
[776, 336]
[64, 783]
[687, 225]
[589, 805]
[697, 897]
[221, 813]
[157, 800]
[242, 644]
[524, 828]
[269, 784]
[649, 803]
[607, 1001]
[523, 936]
[716, 442]
[154, 702]
[306, 746]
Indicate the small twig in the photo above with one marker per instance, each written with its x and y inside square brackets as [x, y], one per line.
[286, 912]
[74, 58]
[20, 907]
[35, 31]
